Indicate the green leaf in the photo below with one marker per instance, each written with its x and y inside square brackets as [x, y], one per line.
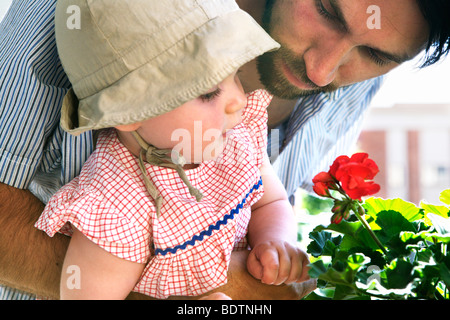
[314, 296]
[411, 238]
[398, 249]
[356, 261]
[416, 240]
[441, 224]
[323, 243]
[445, 197]
[400, 275]
[437, 216]
[392, 223]
[354, 236]
[408, 210]
[444, 238]
[442, 211]
[348, 293]
[339, 274]
[445, 274]
[316, 269]
[345, 227]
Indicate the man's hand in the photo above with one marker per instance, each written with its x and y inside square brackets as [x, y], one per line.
[277, 262]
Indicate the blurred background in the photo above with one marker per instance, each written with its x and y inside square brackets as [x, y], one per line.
[407, 132]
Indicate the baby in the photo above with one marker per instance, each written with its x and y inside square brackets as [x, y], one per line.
[150, 213]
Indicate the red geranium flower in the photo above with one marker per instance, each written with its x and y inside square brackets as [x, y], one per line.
[351, 177]
[323, 181]
[355, 174]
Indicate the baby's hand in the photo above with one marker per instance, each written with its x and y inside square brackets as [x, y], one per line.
[277, 262]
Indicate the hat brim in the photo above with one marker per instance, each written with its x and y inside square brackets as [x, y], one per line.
[205, 63]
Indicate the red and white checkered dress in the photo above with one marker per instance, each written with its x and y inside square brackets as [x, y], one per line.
[187, 249]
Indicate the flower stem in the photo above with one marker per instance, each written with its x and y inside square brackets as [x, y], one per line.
[372, 234]
[360, 217]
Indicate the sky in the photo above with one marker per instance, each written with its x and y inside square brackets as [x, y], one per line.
[406, 84]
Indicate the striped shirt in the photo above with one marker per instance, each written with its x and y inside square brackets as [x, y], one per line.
[33, 147]
[320, 128]
[32, 87]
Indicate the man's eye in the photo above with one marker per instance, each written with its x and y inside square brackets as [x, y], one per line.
[322, 11]
[331, 14]
[376, 58]
[207, 97]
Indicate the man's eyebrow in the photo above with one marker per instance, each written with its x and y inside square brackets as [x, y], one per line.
[339, 15]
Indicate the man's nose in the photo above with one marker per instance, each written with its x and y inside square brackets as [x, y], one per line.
[323, 62]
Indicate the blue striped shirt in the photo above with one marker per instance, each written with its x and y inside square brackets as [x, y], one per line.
[33, 147]
[320, 128]
[32, 87]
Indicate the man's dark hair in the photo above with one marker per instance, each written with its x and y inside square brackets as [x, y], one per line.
[437, 14]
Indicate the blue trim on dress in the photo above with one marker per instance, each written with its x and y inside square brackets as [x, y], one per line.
[213, 227]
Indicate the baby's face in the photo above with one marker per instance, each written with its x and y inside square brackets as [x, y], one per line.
[198, 128]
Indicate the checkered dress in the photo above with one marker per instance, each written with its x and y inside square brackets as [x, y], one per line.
[187, 249]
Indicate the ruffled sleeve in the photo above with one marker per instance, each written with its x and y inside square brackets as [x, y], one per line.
[190, 272]
[255, 119]
[100, 221]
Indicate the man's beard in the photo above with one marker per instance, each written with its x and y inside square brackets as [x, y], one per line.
[270, 68]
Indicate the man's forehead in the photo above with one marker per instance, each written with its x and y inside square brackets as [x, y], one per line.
[400, 33]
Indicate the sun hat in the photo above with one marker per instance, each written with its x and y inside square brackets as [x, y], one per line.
[130, 60]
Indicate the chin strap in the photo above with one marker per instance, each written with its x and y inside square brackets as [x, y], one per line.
[162, 158]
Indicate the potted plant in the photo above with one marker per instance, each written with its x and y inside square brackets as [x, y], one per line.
[377, 248]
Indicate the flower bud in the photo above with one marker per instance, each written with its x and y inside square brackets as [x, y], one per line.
[336, 218]
[361, 211]
[346, 214]
[336, 208]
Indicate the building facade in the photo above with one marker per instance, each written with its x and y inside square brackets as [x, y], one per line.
[411, 145]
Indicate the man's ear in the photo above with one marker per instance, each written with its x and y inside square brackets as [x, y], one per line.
[129, 127]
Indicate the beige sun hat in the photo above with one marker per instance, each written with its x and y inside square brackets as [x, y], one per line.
[130, 60]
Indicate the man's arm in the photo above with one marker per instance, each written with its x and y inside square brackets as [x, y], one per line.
[29, 259]
[242, 286]
[32, 261]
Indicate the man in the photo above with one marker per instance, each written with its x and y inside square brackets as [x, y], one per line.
[326, 45]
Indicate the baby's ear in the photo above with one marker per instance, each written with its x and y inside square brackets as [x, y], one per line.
[129, 127]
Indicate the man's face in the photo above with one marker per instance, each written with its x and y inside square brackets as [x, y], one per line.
[327, 44]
